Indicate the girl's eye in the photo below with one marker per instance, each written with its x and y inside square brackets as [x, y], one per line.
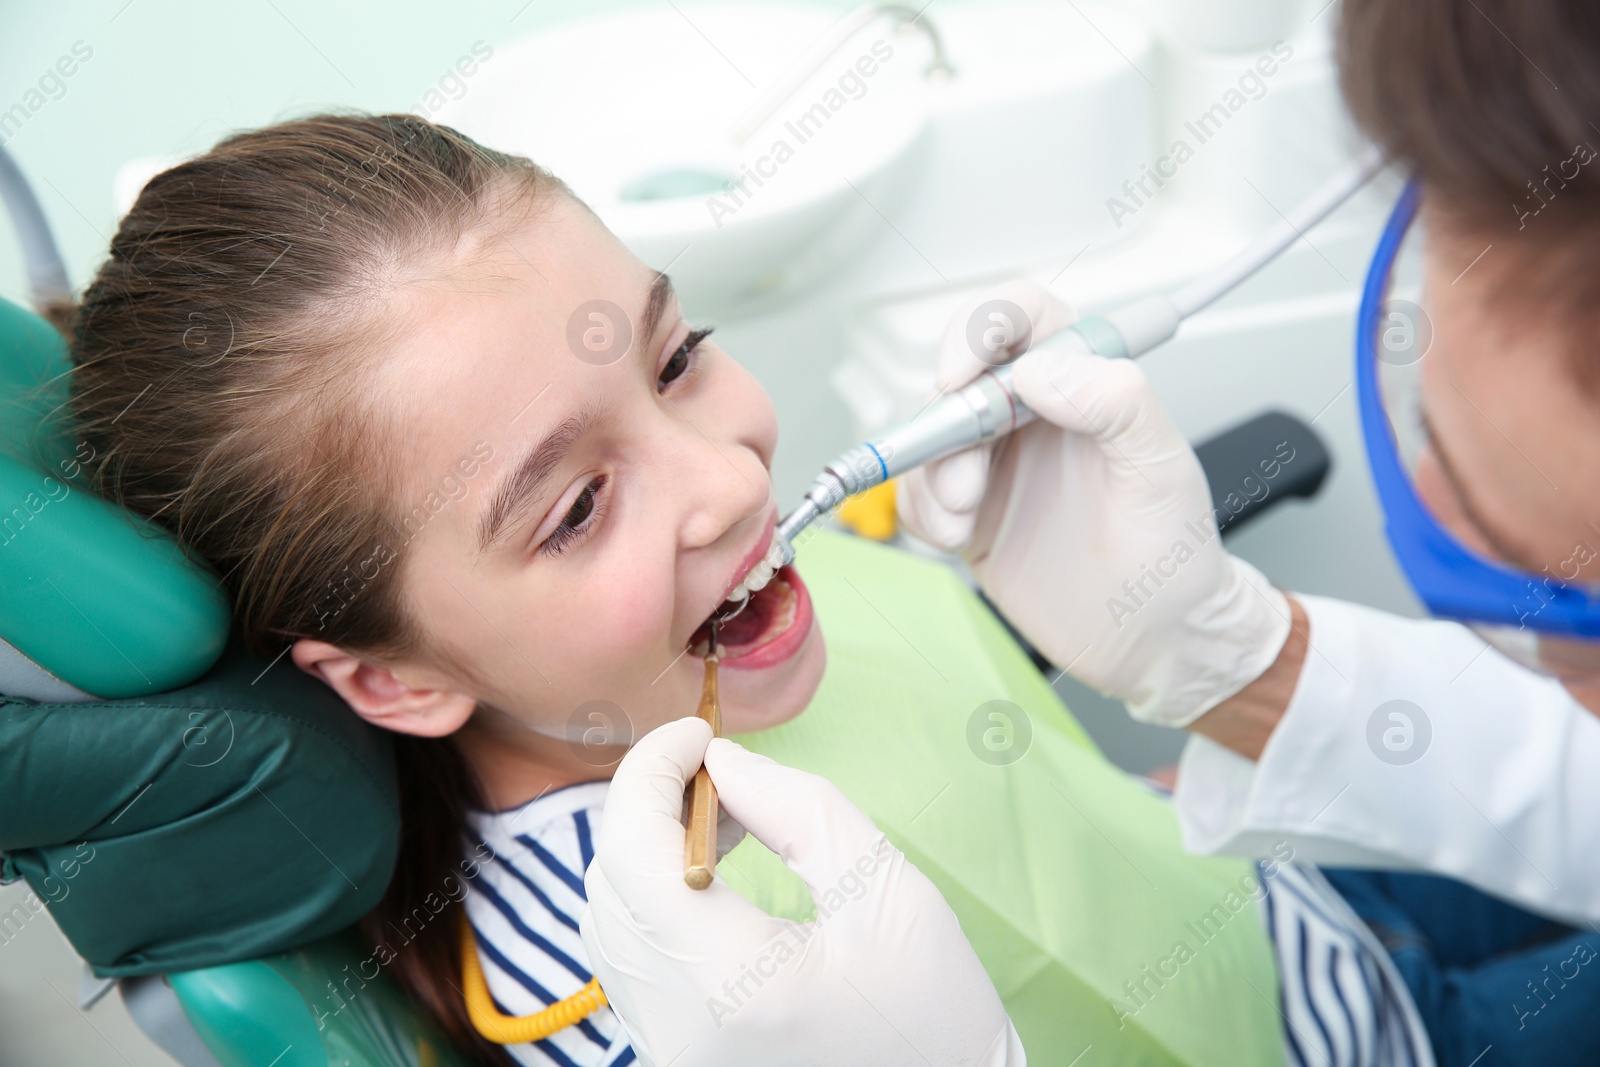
[682, 362]
[580, 519]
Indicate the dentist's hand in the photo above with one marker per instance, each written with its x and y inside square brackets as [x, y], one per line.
[706, 979]
[1092, 530]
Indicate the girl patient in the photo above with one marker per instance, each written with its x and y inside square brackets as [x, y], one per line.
[333, 325]
[458, 451]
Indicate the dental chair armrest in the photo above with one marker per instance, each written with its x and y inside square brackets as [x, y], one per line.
[1259, 463]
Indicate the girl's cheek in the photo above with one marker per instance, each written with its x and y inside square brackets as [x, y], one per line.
[634, 608]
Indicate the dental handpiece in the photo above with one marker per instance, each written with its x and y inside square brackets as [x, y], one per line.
[989, 407]
[986, 408]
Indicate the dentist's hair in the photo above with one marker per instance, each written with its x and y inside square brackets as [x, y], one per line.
[1477, 95]
[221, 374]
[1495, 105]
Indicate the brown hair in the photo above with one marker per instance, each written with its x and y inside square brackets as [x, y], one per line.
[218, 357]
[1494, 105]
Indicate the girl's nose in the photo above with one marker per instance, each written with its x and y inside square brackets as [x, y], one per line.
[717, 488]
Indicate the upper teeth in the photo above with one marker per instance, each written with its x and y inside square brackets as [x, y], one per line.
[761, 573]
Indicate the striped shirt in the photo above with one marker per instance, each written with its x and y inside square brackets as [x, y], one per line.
[1341, 999]
[524, 910]
[1343, 1002]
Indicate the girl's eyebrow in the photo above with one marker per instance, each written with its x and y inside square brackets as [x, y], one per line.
[527, 479]
[655, 306]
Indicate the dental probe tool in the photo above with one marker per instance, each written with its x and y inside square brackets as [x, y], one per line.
[989, 406]
[700, 844]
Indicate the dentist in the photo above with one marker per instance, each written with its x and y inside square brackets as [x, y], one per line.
[1467, 746]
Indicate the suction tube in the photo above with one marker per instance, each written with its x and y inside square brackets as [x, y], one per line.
[988, 407]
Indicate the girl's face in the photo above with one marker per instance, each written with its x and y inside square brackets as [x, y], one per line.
[584, 479]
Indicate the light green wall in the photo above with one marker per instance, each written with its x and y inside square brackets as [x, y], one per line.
[173, 76]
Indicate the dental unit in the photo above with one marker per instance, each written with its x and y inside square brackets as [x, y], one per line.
[989, 407]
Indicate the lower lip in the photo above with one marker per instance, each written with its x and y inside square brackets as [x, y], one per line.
[786, 644]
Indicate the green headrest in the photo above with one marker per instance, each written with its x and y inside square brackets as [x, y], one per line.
[172, 823]
[242, 815]
[97, 596]
[327, 1003]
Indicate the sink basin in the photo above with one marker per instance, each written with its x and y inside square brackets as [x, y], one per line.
[636, 112]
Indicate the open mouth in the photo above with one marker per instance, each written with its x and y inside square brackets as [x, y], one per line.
[770, 613]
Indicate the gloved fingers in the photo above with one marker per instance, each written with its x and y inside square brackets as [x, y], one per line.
[641, 836]
[938, 501]
[647, 921]
[994, 327]
[609, 941]
[804, 818]
[630, 963]
[923, 516]
[730, 832]
[1110, 401]
[920, 507]
[958, 481]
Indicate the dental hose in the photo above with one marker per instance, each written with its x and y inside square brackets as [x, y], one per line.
[989, 407]
[502, 1029]
[41, 256]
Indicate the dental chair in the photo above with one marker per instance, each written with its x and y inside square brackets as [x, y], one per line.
[206, 827]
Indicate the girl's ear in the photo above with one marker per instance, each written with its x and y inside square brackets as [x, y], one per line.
[380, 697]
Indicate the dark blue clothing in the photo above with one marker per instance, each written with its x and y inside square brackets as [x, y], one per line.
[1496, 986]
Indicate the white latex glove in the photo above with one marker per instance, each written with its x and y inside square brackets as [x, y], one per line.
[706, 979]
[1091, 529]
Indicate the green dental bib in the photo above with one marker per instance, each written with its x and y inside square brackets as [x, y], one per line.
[1067, 875]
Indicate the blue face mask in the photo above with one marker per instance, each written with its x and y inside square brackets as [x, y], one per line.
[1515, 610]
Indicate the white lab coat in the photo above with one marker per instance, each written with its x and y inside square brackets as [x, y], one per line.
[1505, 796]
